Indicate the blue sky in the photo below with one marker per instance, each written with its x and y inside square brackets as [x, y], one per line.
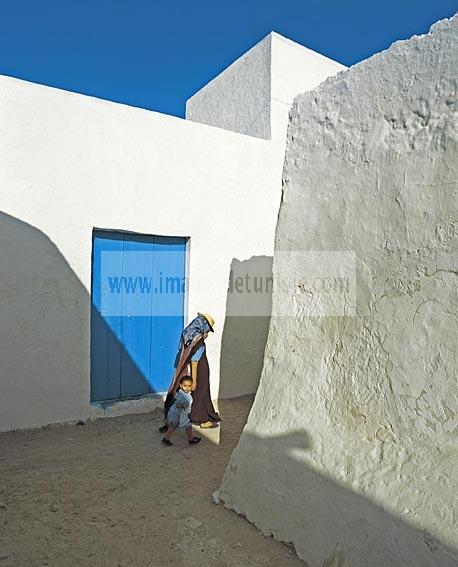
[156, 54]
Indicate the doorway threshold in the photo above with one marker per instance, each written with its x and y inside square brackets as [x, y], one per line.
[115, 408]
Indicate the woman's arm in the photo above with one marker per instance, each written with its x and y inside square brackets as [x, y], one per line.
[194, 364]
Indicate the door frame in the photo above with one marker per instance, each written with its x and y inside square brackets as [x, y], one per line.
[185, 301]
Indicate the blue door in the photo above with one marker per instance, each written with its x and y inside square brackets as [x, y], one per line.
[137, 314]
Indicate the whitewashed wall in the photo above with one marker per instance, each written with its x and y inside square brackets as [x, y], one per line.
[69, 163]
[294, 69]
[238, 99]
[254, 96]
[350, 450]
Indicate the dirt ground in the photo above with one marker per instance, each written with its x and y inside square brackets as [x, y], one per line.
[109, 494]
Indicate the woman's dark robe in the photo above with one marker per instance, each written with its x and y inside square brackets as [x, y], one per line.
[202, 409]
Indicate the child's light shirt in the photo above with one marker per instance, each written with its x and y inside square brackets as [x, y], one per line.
[178, 415]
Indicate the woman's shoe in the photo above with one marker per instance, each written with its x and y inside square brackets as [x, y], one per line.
[195, 440]
[167, 442]
[209, 425]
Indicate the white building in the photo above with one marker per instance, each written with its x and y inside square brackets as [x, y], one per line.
[352, 437]
[76, 171]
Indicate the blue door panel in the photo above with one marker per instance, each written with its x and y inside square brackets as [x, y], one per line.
[136, 329]
[134, 343]
[105, 329]
[168, 311]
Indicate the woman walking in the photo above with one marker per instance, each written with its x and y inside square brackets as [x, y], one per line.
[192, 352]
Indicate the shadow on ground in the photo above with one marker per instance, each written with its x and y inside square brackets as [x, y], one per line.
[45, 340]
[108, 493]
[270, 480]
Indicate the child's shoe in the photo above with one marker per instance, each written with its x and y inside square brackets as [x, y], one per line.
[167, 442]
[195, 440]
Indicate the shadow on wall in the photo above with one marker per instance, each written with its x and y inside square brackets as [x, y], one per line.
[44, 331]
[246, 326]
[317, 514]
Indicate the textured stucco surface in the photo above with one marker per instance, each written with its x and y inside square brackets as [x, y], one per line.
[294, 69]
[350, 450]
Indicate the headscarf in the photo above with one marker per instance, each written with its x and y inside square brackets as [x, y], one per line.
[198, 326]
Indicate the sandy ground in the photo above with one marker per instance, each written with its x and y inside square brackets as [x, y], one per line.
[109, 494]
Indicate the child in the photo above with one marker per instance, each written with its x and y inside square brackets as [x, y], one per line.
[178, 414]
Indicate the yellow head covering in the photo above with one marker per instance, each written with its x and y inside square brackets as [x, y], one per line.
[209, 319]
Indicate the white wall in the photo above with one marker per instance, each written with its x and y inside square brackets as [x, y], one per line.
[238, 99]
[71, 162]
[254, 96]
[295, 69]
[350, 449]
